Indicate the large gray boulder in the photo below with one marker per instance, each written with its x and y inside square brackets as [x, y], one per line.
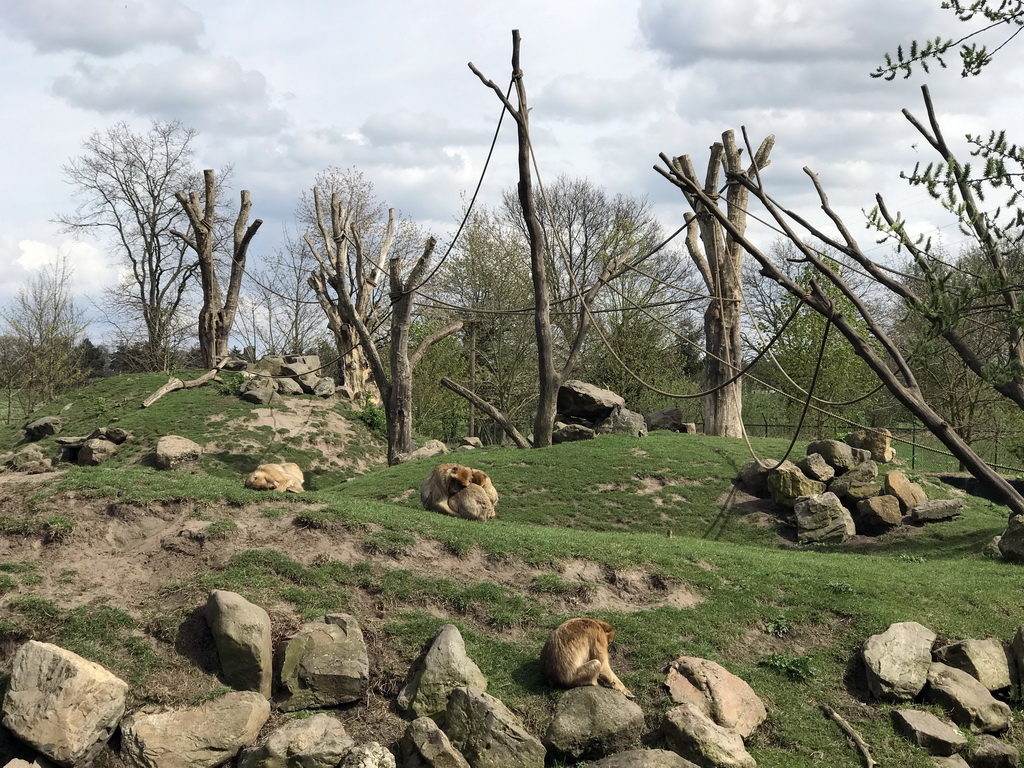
[442, 667]
[987, 660]
[592, 722]
[936, 510]
[839, 455]
[928, 732]
[753, 477]
[260, 390]
[177, 453]
[241, 631]
[822, 519]
[876, 441]
[816, 468]
[64, 706]
[622, 421]
[325, 664]
[897, 661]
[425, 745]
[198, 737]
[690, 733]
[877, 514]
[571, 433]
[787, 484]
[95, 451]
[864, 473]
[1011, 542]
[319, 741]
[487, 733]
[667, 418]
[644, 758]
[909, 494]
[989, 752]
[715, 691]
[585, 401]
[43, 427]
[428, 450]
[968, 702]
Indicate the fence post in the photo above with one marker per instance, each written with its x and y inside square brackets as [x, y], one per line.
[913, 446]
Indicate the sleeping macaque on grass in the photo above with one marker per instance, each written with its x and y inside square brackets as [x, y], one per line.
[444, 482]
[276, 477]
[576, 654]
[480, 478]
[472, 503]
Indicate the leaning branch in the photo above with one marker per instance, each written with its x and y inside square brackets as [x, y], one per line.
[175, 384]
[490, 410]
[852, 733]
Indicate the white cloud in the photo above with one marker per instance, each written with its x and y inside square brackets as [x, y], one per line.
[213, 93]
[101, 27]
[91, 271]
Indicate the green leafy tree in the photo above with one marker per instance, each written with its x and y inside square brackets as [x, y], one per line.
[43, 327]
[1002, 19]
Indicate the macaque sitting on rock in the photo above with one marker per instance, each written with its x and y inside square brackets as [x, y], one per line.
[576, 654]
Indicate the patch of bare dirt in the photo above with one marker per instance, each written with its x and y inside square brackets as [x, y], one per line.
[309, 423]
[801, 640]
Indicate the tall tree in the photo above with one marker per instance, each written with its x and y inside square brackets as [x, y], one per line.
[352, 235]
[217, 314]
[343, 305]
[125, 183]
[550, 375]
[718, 255]
[43, 326]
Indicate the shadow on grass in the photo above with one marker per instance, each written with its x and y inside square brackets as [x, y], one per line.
[195, 641]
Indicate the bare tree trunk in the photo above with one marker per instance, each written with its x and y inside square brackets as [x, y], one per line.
[719, 259]
[217, 314]
[349, 300]
[548, 377]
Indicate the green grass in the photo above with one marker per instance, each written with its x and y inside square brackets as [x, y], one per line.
[788, 620]
[210, 414]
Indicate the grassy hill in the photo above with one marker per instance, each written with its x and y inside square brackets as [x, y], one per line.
[649, 534]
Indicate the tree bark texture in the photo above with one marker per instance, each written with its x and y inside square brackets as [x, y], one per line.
[719, 259]
[217, 315]
[343, 256]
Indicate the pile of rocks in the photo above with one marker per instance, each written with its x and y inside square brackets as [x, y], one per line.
[277, 375]
[670, 419]
[66, 708]
[967, 679]
[836, 492]
[584, 411]
[87, 450]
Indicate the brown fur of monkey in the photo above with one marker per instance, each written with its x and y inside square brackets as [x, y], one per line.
[480, 478]
[444, 482]
[576, 654]
[276, 477]
[472, 503]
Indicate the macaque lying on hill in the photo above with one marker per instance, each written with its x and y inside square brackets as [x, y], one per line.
[276, 477]
[444, 482]
[576, 654]
[472, 503]
[480, 478]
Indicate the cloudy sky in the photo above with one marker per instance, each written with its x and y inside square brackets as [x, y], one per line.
[282, 91]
